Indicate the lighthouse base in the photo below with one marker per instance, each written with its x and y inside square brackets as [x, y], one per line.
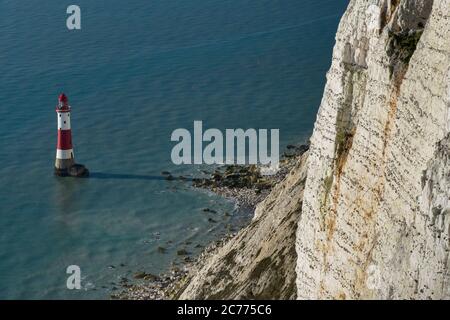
[76, 171]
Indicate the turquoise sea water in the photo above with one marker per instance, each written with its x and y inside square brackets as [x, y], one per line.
[136, 71]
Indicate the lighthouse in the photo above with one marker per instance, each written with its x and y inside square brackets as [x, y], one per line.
[65, 162]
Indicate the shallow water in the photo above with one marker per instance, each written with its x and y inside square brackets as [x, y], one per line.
[135, 72]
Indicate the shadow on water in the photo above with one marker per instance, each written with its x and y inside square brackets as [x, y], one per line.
[125, 176]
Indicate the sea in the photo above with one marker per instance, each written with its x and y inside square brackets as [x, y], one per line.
[136, 71]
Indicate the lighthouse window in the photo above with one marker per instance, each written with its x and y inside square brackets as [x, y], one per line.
[60, 115]
[64, 121]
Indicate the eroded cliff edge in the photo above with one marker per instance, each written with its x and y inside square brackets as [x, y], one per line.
[365, 214]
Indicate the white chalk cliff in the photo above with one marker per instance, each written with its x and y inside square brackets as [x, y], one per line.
[367, 209]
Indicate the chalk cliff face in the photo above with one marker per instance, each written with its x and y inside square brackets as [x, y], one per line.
[364, 232]
[368, 208]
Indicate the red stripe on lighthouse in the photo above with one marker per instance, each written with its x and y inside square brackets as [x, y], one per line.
[64, 139]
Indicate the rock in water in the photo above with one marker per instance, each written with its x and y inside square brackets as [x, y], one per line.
[76, 171]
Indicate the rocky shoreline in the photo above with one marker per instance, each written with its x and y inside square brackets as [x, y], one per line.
[245, 185]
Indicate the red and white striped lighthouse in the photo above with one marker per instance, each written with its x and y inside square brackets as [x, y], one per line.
[64, 149]
[65, 162]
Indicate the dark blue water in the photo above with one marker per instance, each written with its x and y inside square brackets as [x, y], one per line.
[135, 72]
